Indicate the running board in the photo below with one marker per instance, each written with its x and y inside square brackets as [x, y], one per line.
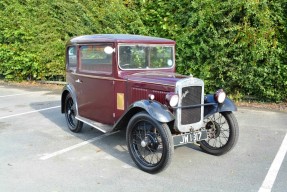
[102, 127]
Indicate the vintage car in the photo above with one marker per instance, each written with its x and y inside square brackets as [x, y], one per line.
[128, 82]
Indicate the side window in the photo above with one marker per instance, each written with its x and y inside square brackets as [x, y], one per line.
[72, 57]
[93, 58]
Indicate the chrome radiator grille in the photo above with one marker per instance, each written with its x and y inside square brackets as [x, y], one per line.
[189, 114]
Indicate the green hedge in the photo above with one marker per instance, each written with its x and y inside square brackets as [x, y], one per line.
[238, 45]
[33, 33]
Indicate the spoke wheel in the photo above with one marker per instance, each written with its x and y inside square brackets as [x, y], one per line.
[222, 130]
[150, 143]
[70, 113]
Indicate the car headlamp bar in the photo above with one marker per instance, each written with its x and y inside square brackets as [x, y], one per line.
[194, 106]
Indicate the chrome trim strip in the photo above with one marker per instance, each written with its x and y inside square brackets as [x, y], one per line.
[98, 77]
[152, 83]
[194, 106]
[113, 79]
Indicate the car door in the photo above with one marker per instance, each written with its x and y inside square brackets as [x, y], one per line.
[95, 89]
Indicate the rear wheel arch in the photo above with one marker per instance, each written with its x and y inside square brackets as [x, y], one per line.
[68, 89]
[63, 100]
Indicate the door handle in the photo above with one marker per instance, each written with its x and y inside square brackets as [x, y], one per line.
[78, 81]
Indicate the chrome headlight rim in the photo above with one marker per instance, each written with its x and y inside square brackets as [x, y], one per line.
[172, 99]
[220, 96]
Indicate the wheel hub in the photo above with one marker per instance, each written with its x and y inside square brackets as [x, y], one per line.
[144, 143]
[213, 129]
[150, 142]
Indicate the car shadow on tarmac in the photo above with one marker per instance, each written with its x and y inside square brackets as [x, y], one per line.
[114, 144]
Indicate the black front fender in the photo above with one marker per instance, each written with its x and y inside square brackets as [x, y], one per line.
[227, 105]
[155, 109]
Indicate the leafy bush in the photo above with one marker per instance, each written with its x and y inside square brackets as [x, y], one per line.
[238, 45]
[33, 33]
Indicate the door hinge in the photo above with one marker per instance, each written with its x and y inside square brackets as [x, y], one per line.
[114, 115]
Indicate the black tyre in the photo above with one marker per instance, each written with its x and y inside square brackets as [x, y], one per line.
[222, 130]
[70, 113]
[149, 142]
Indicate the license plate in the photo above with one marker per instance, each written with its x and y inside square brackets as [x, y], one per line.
[189, 137]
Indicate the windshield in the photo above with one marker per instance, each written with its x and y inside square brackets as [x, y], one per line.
[146, 56]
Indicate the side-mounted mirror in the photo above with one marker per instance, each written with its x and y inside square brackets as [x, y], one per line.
[109, 50]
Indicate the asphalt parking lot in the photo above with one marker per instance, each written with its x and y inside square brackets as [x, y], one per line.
[39, 153]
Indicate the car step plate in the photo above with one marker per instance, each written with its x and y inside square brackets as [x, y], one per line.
[191, 137]
[102, 127]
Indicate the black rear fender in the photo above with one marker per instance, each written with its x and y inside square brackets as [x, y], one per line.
[68, 89]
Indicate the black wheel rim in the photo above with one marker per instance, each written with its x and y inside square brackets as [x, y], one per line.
[70, 112]
[218, 131]
[147, 144]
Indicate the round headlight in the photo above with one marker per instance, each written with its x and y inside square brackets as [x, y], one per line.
[172, 99]
[220, 96]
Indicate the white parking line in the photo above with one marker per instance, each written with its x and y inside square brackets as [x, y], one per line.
[48, 156]
[19, 114]
[275, 167]
[15, 95]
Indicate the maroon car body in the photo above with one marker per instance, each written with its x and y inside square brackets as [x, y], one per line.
[117, 81]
